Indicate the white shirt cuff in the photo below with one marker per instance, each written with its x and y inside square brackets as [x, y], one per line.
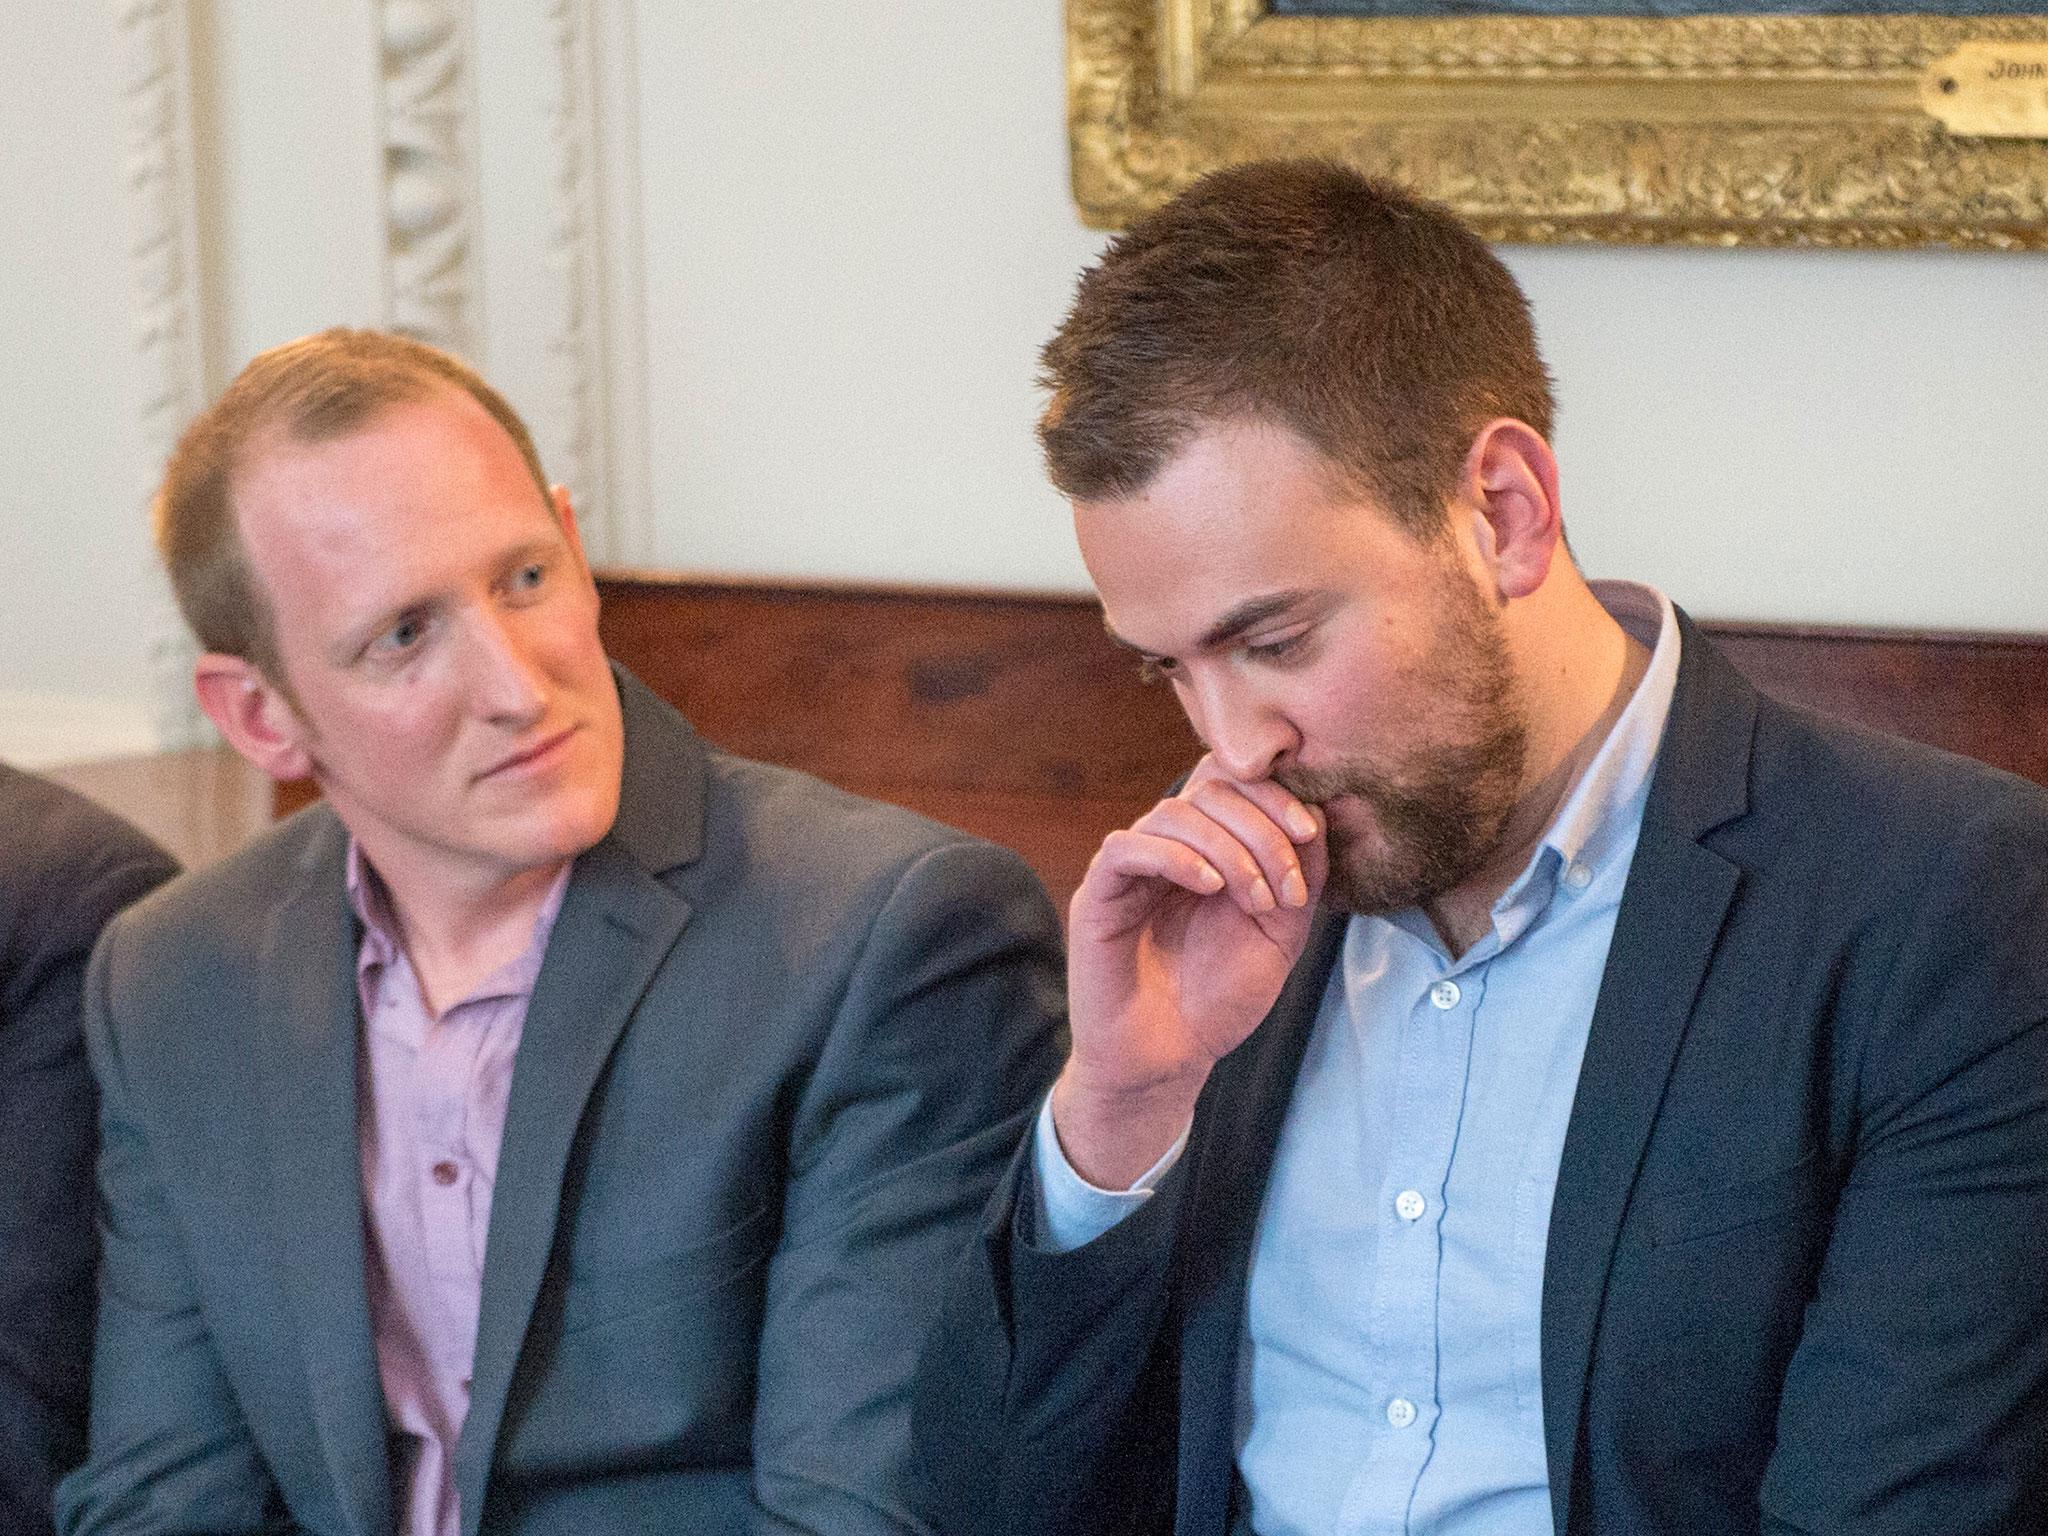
[1071, 1211]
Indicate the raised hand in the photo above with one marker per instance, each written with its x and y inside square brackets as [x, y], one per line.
[1179, 940]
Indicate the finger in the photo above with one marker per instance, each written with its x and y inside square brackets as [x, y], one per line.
[1130, 860]
[1293, 814]
[1244, 875]
[1315, 855]
[1252, 823]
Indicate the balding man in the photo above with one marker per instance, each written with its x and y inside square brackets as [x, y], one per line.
[555, 1130]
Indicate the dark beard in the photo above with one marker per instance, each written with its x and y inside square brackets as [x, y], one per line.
[1442, 814]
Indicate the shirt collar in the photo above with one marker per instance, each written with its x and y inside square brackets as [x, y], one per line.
[1599, 817]
[381, 938]
[372, 906]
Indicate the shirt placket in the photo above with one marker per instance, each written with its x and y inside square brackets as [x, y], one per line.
[447, 1173]
[1435, 1055]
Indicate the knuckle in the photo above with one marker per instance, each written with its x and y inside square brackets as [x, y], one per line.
[1170, 818]
[1270, 797]
[1117, 845]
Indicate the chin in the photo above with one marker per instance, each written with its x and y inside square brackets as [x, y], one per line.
[563, 830]
[1370, 875]
[585, 822]
[1372, 892]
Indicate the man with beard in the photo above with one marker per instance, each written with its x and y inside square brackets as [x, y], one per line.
[1523, 1080]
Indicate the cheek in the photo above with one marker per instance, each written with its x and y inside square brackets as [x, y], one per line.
[1347, 708]
[407, 729]
[568, 644]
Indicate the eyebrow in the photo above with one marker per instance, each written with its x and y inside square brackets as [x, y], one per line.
[1247, 615]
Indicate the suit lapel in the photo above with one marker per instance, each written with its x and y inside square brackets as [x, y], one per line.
[306, 1052]
[1672, 911]
[617, 924]
[1244, 1106]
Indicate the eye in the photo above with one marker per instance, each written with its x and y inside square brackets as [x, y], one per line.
[1277, 649]
[403, 636]
[529, 577]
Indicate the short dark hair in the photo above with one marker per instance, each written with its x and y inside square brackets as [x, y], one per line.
[1371, 323]
[317, 389]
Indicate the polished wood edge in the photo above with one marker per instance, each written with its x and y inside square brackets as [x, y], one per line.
[641, 579]
[653, 580]
[1851, 634]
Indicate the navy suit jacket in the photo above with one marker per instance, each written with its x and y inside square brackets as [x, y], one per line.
[66, 867]
[1795, 1269]
[781, 1044]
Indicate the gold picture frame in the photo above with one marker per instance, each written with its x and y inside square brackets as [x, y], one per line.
[1700, 130]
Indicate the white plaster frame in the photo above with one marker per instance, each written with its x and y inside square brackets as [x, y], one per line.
[512, 227]
[163, 249]
[613, 343]
[429, 116]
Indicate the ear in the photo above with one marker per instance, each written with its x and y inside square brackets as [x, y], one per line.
[254, 715]
[1510, 486]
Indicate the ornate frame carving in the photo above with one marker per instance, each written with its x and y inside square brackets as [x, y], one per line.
[1710, 130]
[509, 224]
[430, 172]
[574, 257]
[165, 302]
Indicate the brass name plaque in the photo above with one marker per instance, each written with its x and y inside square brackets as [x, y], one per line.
[1990, 90]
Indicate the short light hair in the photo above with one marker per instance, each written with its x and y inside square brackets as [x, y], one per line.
[1297, 292]
[317, 389]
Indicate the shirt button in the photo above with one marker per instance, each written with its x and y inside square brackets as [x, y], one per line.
[1577, 876]
[1400, 1413]
[1445, 994]
[446, 1172]
[1409, 1205]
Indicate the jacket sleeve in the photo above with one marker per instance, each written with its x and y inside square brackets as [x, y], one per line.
[1046, 1404]
[1917, 1397]
[948, 1031]
[170, 1452]
[46, 1108]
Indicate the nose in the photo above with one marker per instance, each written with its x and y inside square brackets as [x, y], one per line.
[507, 683]
[1247, 734]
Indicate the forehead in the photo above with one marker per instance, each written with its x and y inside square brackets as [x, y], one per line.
[420, 487]
[1242, 510]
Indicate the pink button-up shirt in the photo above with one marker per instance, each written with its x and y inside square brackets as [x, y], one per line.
[430, 1113]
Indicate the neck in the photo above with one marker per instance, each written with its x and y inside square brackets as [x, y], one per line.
[1577, 672]
[457, 932]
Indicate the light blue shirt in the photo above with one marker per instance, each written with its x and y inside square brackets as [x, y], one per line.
[1389, 1379]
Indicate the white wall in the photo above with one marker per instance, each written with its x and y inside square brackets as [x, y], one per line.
[293, 176]
[1810, 436]
[858, 233]
[74, 562]
[818, 248]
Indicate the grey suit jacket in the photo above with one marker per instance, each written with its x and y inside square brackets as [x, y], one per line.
[780, 1046]
[1793, 1281]
[66, 866]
